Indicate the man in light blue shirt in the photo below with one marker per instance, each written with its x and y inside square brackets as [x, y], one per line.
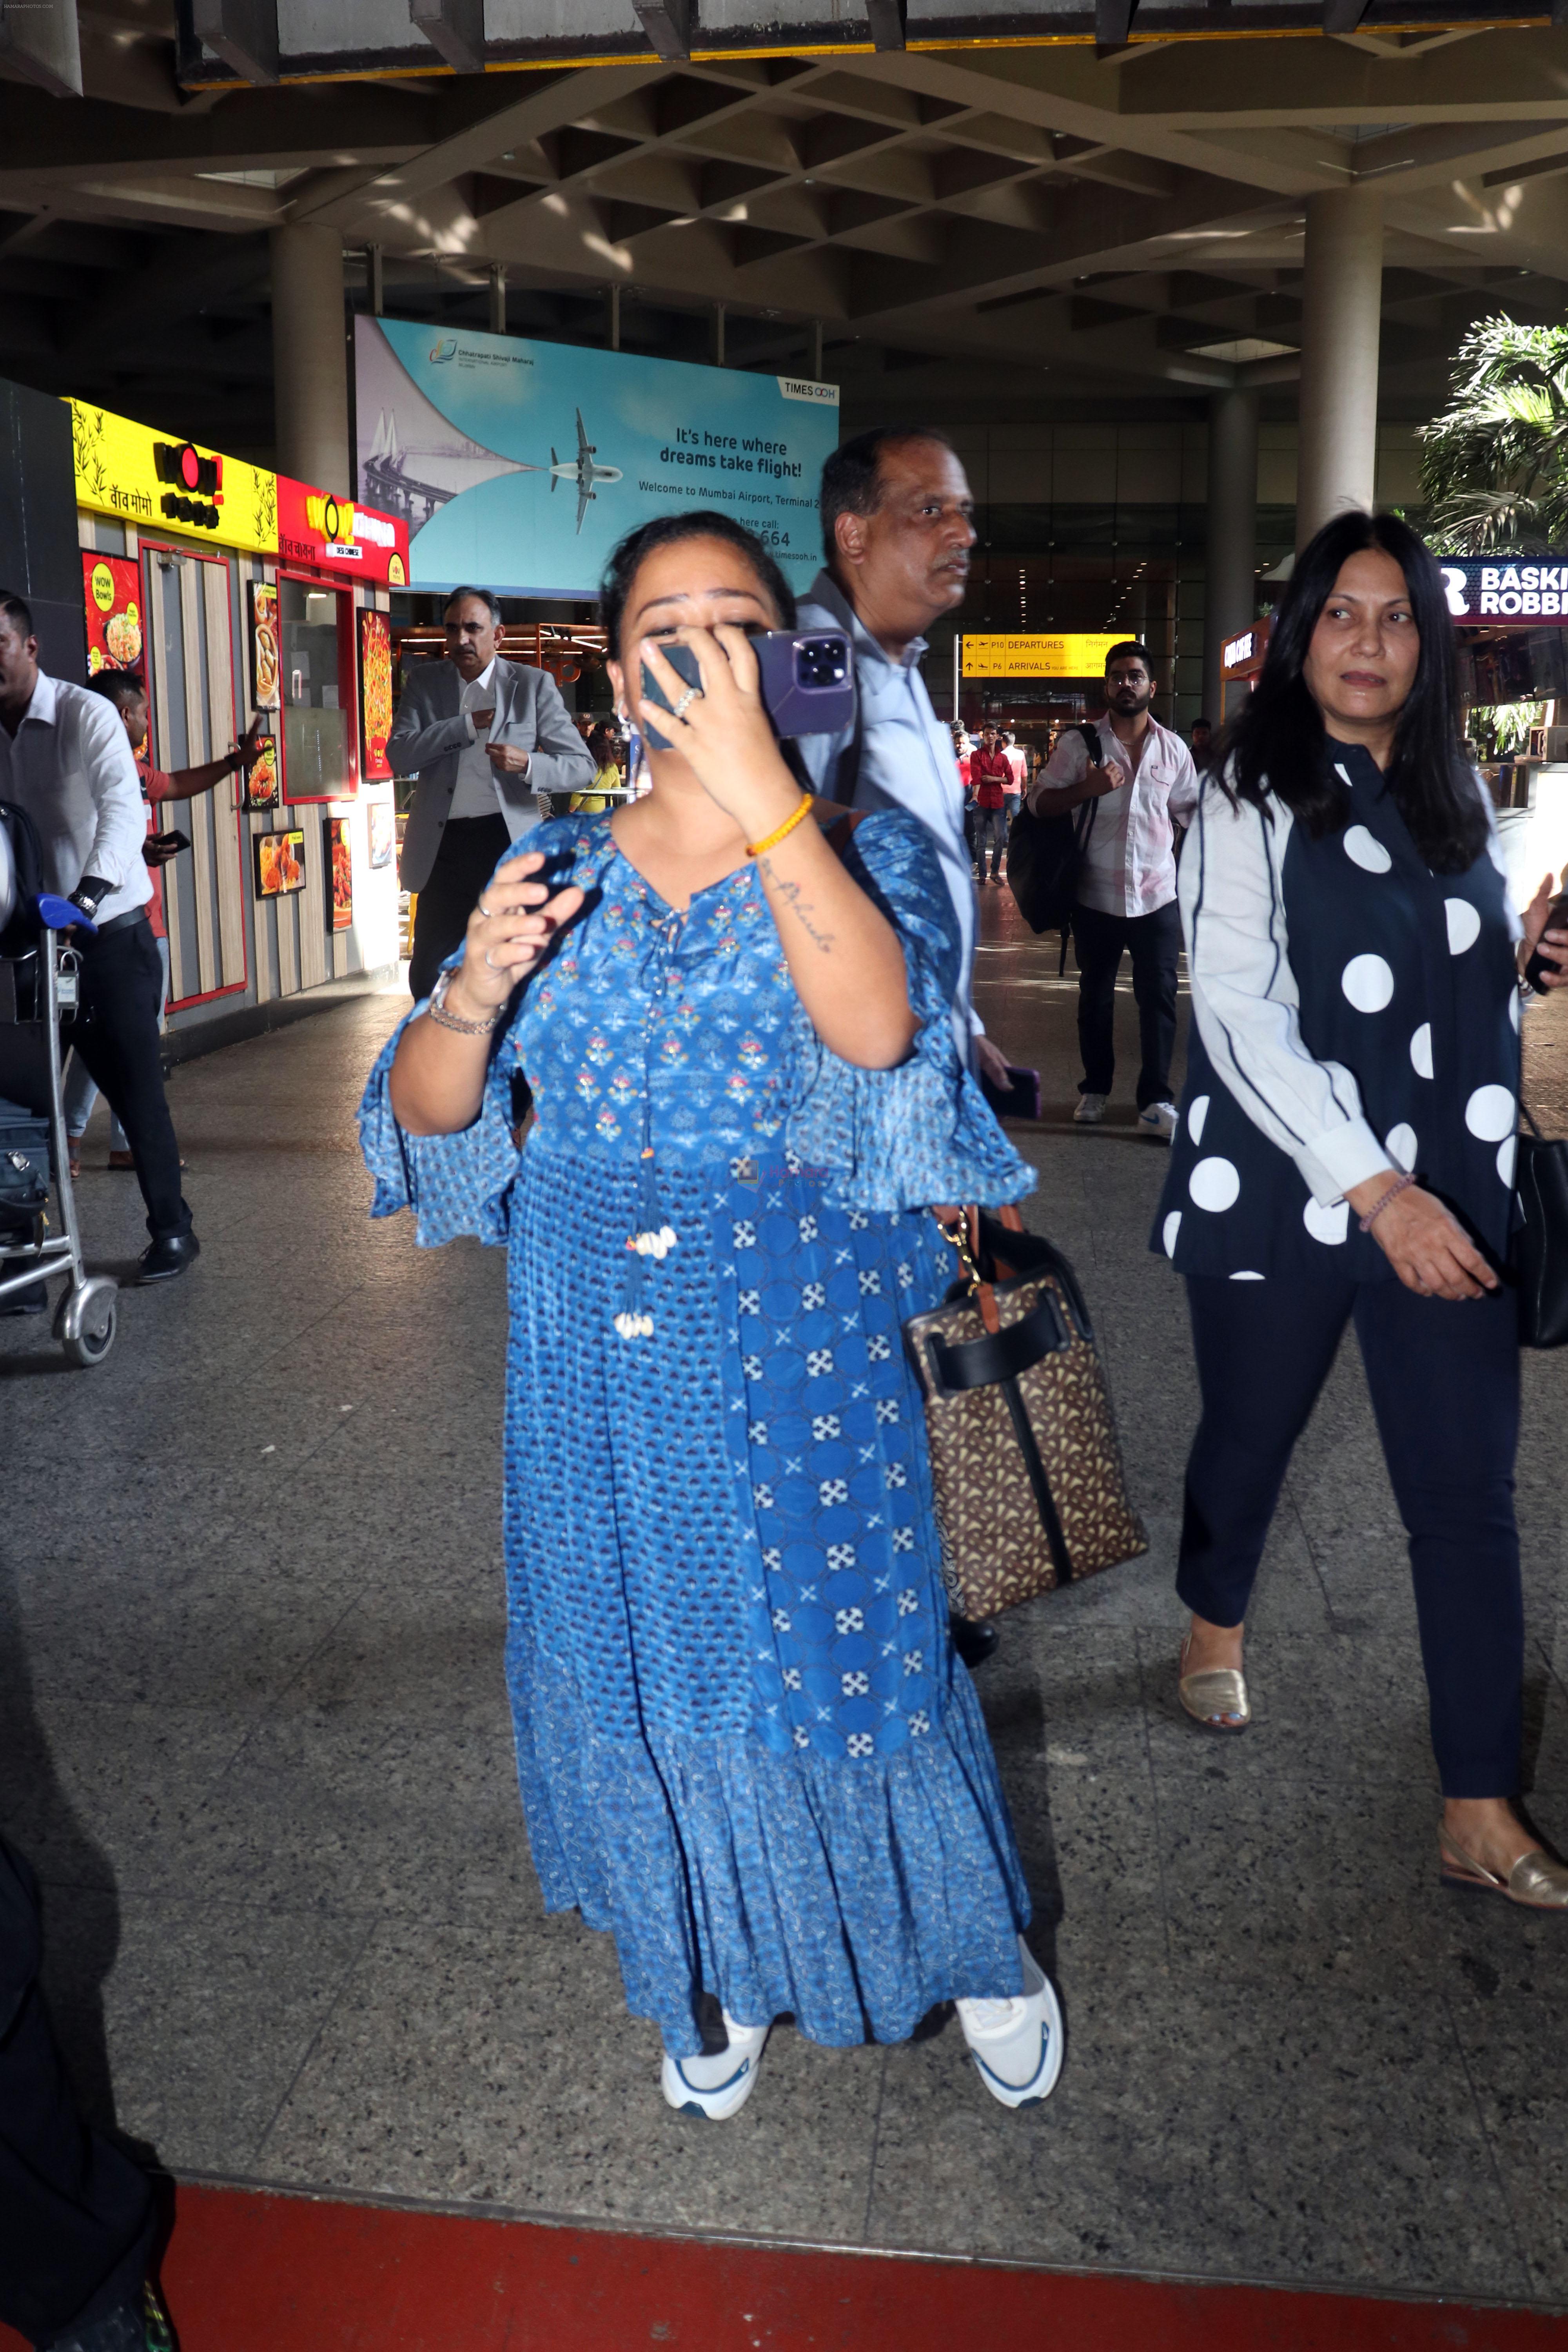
[897, 523]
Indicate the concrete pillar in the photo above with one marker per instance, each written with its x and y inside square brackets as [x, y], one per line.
[309, 356]
[1230, 583]
[1340, 314]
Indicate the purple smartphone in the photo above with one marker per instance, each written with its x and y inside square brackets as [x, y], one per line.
[808, 679]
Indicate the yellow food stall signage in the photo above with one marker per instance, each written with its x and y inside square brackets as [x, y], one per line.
[1020, 656]
[158, 482]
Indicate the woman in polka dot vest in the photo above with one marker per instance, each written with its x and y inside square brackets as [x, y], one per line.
[1346, 1150]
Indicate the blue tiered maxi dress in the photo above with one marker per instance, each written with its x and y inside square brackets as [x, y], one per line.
[744, 1744]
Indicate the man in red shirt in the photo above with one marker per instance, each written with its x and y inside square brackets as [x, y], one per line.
[128, 692]
[990, 774]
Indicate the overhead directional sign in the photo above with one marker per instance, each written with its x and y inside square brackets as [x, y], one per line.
[1072, 655]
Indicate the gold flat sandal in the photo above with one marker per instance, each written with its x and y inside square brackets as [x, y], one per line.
[1217, 1691]
[1536, 1881]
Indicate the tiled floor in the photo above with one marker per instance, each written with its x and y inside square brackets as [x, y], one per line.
[255, 1736]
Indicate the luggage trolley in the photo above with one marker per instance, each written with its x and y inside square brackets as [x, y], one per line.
[38, 984]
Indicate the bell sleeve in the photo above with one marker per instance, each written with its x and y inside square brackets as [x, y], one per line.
[454, 1184]
[922, 1133]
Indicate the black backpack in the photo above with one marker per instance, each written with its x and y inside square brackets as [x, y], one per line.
[19, 935]
[1044, 854]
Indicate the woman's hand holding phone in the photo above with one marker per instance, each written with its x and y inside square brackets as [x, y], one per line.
[511, 930]
[723, 732]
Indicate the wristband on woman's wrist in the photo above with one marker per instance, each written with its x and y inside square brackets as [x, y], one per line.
[797, 816]
[1400, 1185]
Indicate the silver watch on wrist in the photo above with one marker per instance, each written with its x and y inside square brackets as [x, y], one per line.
[436, 1008]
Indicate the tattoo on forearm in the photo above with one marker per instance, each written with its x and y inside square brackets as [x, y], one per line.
[801, 908]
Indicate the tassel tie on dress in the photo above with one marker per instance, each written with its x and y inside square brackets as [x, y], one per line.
[655, 1236]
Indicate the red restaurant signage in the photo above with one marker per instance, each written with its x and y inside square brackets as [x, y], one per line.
[334, 535]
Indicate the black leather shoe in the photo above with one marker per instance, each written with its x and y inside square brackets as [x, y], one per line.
[161, 1261]
[974, 1643]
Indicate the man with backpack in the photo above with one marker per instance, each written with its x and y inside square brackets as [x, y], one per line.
[1144, 785]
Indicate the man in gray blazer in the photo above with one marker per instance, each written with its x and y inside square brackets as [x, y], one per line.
[484, 737]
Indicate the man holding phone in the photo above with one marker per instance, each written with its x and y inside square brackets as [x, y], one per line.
[488, 739]
[1144, 786]
[126, 690]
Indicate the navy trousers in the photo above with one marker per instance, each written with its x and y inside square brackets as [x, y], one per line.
[1443, 1377]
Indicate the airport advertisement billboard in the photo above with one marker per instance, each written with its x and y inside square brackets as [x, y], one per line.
[518, 465]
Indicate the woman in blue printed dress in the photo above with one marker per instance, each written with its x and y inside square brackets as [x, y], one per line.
[744, 1743]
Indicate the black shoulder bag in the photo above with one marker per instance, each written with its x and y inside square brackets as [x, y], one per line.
[1541, 1247]
[1045, 854]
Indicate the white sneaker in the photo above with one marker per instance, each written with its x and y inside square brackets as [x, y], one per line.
[1160, 1118]
[1090, 1111]
[716, 2086]
[1017, 2045]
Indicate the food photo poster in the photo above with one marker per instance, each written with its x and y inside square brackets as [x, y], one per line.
[375, 692]
[111, 591]
[261, 774]
[280, 864]
[339, 857]
[264, 643]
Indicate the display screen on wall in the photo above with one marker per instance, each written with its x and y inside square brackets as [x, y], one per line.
[263, 645]
[339, 860]
[280, 864]
[383, 834]
[261, 774]
[375, 690]
[520, 464]
[111, 598]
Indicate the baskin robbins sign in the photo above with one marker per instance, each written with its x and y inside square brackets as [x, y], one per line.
[1505, 590]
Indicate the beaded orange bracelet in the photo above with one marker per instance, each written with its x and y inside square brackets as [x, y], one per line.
[772, 840]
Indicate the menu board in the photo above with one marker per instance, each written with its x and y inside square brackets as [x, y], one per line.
[111, 598]
[375, 693]
[264, 643]
[280, 864]
[261, 774]
[339, 860]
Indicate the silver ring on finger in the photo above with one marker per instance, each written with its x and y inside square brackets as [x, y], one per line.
[484, 910]
[693, 694]
[492, 962]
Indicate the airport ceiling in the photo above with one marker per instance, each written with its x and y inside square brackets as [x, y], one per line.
[984, 214]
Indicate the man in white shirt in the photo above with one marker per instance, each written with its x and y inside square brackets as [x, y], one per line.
[1143, 786]
[65, 757]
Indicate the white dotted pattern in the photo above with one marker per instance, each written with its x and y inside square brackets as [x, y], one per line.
[1168, 1232]
[1215, 1184]
[1197, 1115]
[1464, 925]
[1421, 1051]
[1515, 1007]
[1329, 1225]
[1507, 1153]
[1400, 1146]
[1246, 1277]
[1365, 850]
[1490, 1114]
[1368, 982]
